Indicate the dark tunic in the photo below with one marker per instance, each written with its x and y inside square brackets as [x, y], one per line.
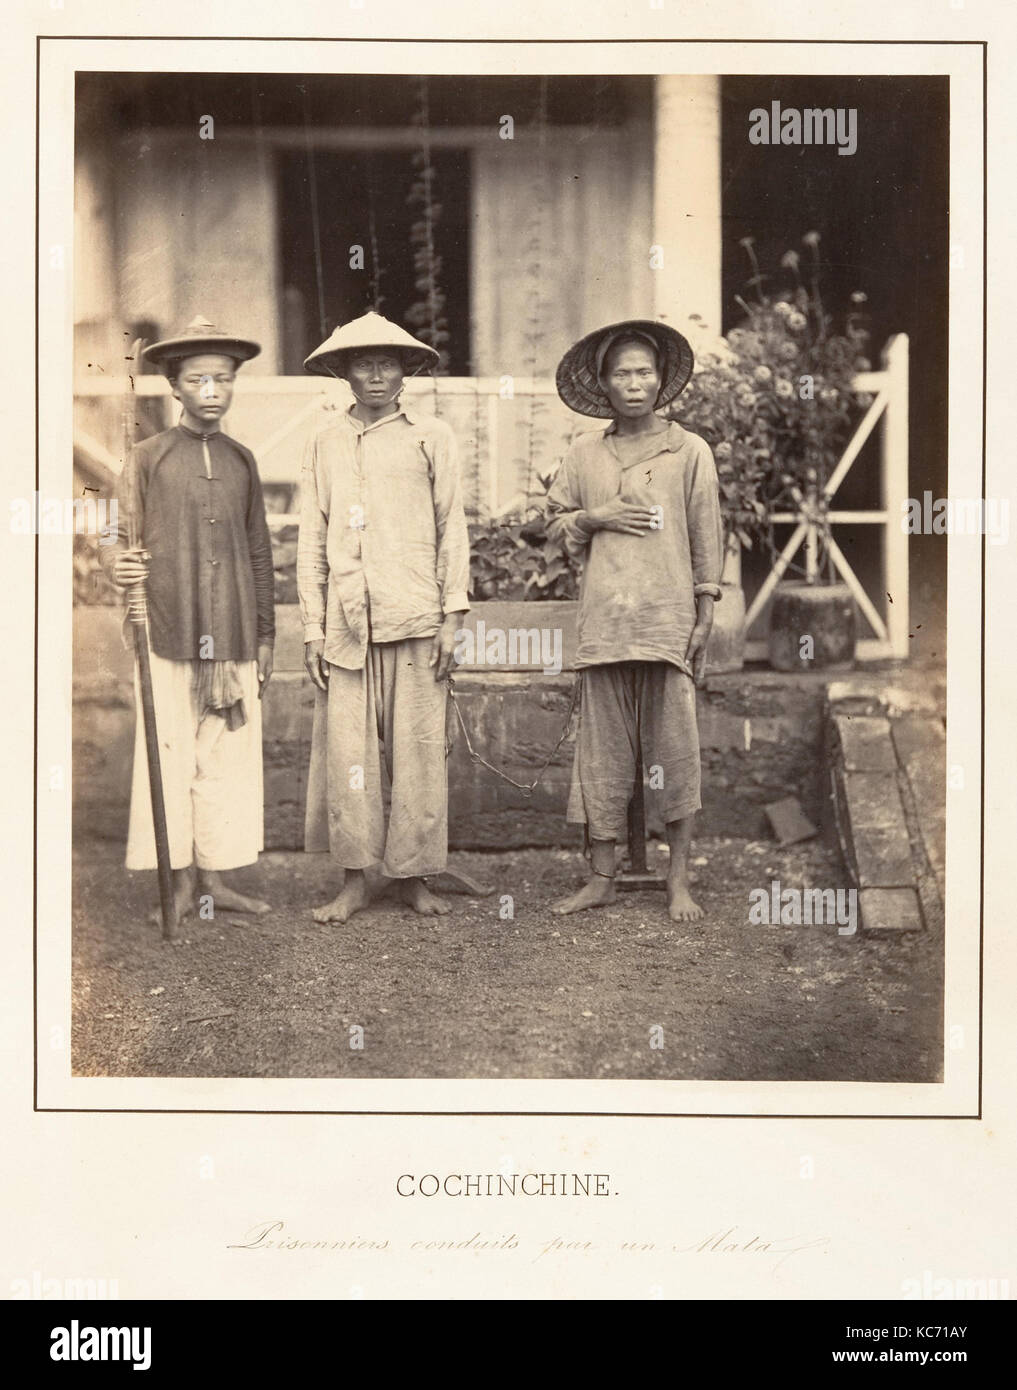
[211, 572]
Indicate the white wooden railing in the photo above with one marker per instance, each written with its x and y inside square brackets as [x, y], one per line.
[889, 389]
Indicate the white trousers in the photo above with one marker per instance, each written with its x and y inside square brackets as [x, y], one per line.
[211, 776]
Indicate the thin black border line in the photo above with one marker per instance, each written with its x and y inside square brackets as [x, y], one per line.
[445, 1114]
[35, 632]
[551, 1114]
[985, 376]
[609, 41]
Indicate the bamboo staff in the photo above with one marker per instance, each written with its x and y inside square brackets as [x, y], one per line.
[137, 614]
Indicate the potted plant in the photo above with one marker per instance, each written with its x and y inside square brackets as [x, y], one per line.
[774, 399]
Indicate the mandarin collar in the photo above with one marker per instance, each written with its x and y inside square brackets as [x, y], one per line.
[193, 434]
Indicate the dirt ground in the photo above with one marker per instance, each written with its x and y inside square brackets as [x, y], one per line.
[474, 994]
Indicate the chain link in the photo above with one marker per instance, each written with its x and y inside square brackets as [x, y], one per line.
[526, 789]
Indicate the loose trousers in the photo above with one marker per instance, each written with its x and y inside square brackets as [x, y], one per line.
[381, 724]
[211, 776]
[657, 701]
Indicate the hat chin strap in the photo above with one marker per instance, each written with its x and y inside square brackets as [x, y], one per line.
[394, 397]
[374, 404]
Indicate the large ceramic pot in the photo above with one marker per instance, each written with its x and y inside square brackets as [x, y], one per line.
[726, 650]
[812, 627]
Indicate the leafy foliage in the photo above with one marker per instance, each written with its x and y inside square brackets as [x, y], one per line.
[773, 399]
[516, 560]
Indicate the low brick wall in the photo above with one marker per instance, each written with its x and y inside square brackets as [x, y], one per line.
[760, 732]
[887, 757]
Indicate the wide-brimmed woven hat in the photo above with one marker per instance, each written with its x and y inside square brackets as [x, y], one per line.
[198, 337]
[369, 331]
[578, 375]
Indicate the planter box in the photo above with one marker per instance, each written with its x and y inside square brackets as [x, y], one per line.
[525, 636]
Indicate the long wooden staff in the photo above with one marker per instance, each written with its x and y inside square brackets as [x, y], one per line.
[137, 613]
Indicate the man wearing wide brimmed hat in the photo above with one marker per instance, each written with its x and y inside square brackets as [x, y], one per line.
[382, 576]
[206, 556]
[639, 503]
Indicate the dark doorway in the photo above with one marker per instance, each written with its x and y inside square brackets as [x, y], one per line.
[883, 216]
[363, 199]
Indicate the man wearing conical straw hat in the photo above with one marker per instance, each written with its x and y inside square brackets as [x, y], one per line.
[383, 568]
[206, 555]
[639, 503]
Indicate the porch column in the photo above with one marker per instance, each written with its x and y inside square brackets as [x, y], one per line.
[687, 202]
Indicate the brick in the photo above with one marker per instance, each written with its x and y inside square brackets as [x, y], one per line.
[890, 910]
[917, 692]
[865, 743]
[882, 856]
[873, 800]
[873, 821]
[921, 749]
[558, 617]
[790, 824]
[916, 735]
[843, 698]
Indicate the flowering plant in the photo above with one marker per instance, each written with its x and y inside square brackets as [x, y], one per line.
[774, 399]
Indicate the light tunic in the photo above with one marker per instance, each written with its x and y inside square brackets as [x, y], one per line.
[638, 595]
[383, 552]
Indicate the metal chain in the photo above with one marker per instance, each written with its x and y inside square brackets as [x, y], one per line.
[475, 757]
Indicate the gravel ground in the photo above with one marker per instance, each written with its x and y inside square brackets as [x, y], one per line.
[473, 995]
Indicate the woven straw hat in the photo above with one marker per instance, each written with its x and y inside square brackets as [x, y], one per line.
[198, 337]
[369, 331]
[578, 374]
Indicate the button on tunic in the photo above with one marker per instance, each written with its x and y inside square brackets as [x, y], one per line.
[202, 517]
[383, 552]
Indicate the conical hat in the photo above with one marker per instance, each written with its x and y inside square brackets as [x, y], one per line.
[369, 331]
[198, 337]
[578, 374]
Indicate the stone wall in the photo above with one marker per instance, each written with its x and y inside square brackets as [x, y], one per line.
[761, 737]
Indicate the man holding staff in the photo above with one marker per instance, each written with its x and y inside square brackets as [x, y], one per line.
[639, 502]
[205, 557]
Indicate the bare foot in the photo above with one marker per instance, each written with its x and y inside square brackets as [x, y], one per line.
[597, 892]
[183, 895]
[229, 900]
[416, 893]
[352, 897]
[680, 905]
